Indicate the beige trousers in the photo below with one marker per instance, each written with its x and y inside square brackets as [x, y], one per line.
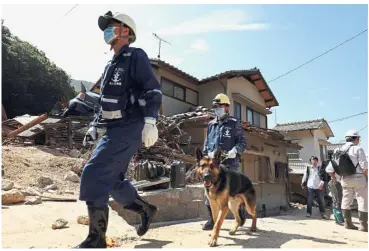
[355, 186]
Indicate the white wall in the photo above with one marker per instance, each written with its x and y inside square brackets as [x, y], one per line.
[307, 141]
[320, 135]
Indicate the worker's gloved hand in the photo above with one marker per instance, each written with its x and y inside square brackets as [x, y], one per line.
[232, 153]
[150, 132]
[211, 155]
[91, 135]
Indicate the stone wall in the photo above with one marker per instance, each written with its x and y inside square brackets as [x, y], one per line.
[174, 204]
[188, 203]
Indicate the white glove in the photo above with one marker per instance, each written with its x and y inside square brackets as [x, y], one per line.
[232, 153]
[91, 135]
[211, 155]
[150, 132]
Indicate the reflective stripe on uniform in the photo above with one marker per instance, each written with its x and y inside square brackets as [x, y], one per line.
[155, 90]
[142, 102]
[111, 114]
[110, 100]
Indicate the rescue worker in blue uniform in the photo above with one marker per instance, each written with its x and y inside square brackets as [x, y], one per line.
[224, 131]
[130, 100]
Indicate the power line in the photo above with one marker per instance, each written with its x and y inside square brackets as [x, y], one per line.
[70, 10]
[363, 128]
[347, 117]
[326, 52]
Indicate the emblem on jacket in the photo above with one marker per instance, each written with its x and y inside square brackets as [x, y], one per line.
[117, 77]
[227, 132]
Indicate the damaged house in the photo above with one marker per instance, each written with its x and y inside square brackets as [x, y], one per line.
[265, 160]
[313, 136]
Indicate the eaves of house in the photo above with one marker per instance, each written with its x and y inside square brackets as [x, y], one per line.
[254, 76]
[317, 124]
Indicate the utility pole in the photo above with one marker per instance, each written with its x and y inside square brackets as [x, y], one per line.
[160, 39]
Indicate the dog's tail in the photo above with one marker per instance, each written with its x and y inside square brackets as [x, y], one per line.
[250, 201]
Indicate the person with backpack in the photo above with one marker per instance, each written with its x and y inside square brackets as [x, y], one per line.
[314, 178]
[350, 162]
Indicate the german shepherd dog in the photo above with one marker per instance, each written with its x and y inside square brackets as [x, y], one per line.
[225, 189]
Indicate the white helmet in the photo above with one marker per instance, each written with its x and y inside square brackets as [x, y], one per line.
[352, 133]
[103, 22]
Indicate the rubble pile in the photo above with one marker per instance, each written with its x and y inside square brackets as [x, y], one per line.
[172, 138]
[173, 144]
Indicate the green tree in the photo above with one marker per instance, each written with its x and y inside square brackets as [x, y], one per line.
[31, 83]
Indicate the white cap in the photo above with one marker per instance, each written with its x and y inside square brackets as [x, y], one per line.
[120, 17]
[352, 133]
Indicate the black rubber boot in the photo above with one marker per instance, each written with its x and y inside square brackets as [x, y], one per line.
[210, 223]
[363, 218]
[146, 211]
[348, 220]
[98, 224]
[242, 214]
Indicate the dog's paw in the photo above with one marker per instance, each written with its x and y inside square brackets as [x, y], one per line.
[253, 229]
[212, 242]
[232, 231]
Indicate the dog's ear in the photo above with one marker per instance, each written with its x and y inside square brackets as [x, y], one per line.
[199, 155]
[218, 156]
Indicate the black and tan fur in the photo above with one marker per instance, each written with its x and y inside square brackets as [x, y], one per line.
[226, 190]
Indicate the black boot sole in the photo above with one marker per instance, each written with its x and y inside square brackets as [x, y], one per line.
[153, 214]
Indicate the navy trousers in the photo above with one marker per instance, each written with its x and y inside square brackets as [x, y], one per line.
[104, 173]
[319, 195]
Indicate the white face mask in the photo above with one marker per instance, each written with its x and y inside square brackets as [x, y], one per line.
[220, 112]
[109, 35]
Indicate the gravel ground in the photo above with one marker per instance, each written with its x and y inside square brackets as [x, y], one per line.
[24, 165]
[30, 227]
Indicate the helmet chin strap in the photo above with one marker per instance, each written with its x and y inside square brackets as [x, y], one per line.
[119, 37]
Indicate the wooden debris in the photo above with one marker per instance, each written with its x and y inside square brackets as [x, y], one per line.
[147, 183]
[34, 122]
[53, 197]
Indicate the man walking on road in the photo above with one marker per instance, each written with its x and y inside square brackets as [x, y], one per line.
[225, 132]
[354, 173]
[314, 178]
[130, 100]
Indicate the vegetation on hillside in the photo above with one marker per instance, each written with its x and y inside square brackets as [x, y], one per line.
[31, 83]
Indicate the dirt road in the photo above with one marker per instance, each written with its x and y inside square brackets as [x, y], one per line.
[30, 227]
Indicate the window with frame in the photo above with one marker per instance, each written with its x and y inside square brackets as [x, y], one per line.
[237, 110]
[167, 87]
[254, 117]
[179, 92]
[249, 116]
[191, 97]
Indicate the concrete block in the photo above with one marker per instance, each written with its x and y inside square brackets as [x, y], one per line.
[176, 212]
[192, 209]
[130, 217]
[172, 196]
[197, 191]
[156, 199]
[185, 196]
[203, 211]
